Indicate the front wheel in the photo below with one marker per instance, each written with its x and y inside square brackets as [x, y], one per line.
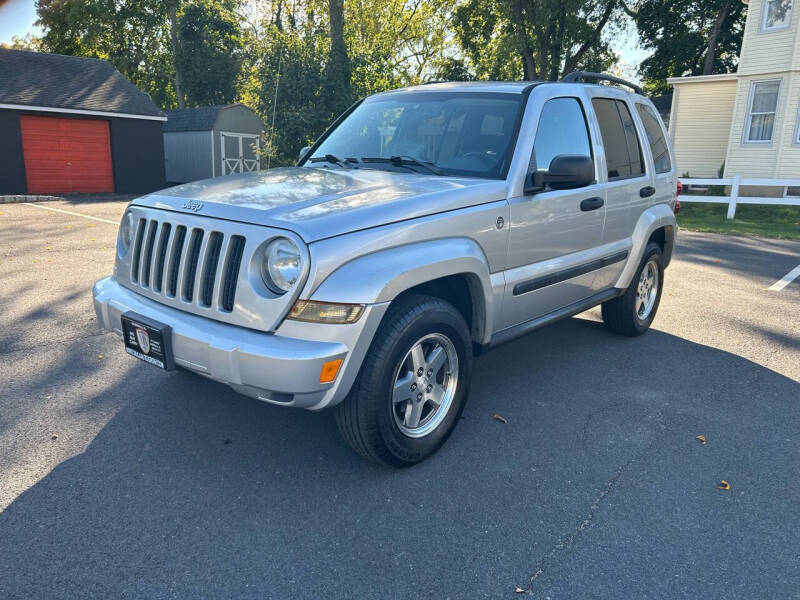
[412, 386]
[632, 313]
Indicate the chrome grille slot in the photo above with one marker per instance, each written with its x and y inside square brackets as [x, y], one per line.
[192, 258]
[147, 264]
[137, 250]
[161, 258]
[231, 272]
[210, 268]
[175, 260]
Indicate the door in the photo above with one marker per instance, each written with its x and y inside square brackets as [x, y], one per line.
[554, 233]
[239, 153]
[630, 186]
[66, 155]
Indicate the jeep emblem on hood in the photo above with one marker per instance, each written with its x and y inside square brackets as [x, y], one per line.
[193, 206]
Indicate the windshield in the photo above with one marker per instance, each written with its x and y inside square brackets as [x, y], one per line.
[456, 133]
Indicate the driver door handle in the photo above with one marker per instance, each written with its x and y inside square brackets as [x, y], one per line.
[592, 204]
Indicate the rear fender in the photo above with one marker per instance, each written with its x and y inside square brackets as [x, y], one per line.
[655, 217]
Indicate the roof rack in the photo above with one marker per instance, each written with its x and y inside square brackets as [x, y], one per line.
[576, 76]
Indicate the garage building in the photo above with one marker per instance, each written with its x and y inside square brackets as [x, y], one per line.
[209, 141]
[75, 125]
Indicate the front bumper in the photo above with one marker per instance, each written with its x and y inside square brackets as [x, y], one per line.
[274, 367]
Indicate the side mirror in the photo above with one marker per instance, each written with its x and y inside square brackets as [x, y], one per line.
[303, 151]
[566, 172]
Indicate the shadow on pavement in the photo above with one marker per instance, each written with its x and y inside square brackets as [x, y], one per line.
[596, 479]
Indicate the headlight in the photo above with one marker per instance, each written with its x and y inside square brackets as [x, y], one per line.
[282, 265]
[126, 233]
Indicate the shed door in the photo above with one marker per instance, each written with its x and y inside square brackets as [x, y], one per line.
[239, 153]
[66, 155]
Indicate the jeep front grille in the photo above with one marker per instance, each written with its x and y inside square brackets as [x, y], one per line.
[202, 266]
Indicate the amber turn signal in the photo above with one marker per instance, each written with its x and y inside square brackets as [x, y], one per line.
[329, 370]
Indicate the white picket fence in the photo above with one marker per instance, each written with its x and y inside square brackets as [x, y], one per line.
[736, 183]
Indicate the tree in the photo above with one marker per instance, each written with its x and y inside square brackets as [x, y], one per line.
[337, 88]
[688, 37]
[209, 53]
[535, 39]
[172, 50]
[27, 42]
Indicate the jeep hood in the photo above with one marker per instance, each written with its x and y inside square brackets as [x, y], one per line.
[317, 203]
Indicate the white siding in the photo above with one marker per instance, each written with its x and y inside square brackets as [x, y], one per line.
[768, 51]
[765, 160]
[700, 125]
[789, 156]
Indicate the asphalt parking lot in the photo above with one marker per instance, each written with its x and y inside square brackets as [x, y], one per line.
[118, 480]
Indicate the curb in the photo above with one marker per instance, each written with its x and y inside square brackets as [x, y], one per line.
[9, 199]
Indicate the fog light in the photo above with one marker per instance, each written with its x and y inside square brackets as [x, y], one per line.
[325, 312]
[329, 370]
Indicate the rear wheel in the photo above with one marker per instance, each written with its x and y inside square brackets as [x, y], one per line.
[412, 386]
[632, 313]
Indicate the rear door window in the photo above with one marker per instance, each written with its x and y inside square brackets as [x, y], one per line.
[620, 140]
[655, 137]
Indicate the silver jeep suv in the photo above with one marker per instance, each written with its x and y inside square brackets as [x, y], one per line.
[427, 225]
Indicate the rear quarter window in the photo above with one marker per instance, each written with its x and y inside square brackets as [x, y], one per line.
[656, 139]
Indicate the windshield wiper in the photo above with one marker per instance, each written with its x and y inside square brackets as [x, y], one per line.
[404, 161]
[335, 160]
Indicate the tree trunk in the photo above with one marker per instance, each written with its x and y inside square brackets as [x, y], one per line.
[711, 50]
[526, 53]
[339, 63]
[173, 30]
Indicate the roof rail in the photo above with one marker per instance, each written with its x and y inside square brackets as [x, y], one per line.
[576, 76]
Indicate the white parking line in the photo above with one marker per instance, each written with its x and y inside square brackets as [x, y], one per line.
[785, 280]
[68, 212]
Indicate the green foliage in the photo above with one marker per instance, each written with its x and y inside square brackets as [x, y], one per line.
[300, 63]
[677, 32]
[210, 52]
[751, 219]
[535, 39]
[26, 42]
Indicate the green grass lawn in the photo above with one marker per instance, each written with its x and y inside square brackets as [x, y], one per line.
[751, 219]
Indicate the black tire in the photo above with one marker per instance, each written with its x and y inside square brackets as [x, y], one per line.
[366, 418]
[620, 314]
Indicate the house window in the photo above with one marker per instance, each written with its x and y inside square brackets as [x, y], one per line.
[777, 14]
[761, 115]
[796, 139]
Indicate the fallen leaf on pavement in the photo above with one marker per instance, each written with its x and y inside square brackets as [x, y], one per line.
[499, 418]
[724, 485]
[99, 356]
[702, 439]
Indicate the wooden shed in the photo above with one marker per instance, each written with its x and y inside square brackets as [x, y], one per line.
[209, 141]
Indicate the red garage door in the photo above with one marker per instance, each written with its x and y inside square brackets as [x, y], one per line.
[66, 155]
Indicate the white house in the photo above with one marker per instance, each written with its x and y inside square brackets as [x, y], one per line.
[749, 120]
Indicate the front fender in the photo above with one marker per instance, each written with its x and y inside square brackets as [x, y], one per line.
[382, 276]
[655, 217]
